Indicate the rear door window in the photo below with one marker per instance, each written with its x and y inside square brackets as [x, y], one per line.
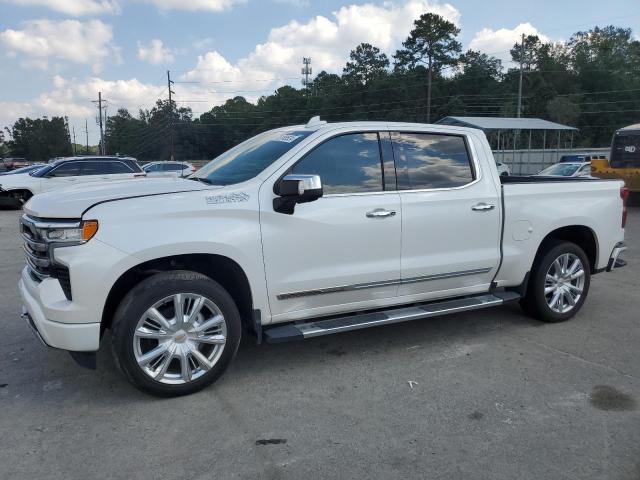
[94, 168]
[430, 161]
[118, 167]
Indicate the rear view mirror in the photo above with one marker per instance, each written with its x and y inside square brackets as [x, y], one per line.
[294, 188]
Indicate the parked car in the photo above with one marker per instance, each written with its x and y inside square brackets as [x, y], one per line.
[503, 169]
[573, 158]
[11, 163]
[168, 169]
[306, 231]
[27, 169]
[67, 172]
[569, 169]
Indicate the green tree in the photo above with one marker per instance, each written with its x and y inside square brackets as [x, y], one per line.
[39, 139]
[366, 64]
[431, 42]
[4, 149]
[563, 110]
[527, 52]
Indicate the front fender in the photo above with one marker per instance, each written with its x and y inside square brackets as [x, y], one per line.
[149, 228]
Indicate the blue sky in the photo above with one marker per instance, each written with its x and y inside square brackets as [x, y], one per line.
[57, 54]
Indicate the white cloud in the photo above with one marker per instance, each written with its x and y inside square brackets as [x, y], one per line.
[327, 40]
[155, 53]
[202, 43]
[73, 98]
[499, 42]
[41, 41]
[273, 63]
[75, 8]
[196, 5]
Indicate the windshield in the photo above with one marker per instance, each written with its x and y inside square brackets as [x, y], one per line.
[251, 157]
[26, 169]
[625, 151]
[561, 169]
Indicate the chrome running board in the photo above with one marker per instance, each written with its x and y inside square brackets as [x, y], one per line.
[316, 328]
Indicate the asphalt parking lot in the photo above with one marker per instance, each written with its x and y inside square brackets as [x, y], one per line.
[491, 394]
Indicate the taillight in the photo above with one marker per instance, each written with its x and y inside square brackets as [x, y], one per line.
[624, 194]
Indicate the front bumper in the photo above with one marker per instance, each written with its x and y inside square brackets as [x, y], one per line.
[43, 297]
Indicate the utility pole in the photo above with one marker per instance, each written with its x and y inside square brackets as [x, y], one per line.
[306, 71]
[86, 131]
[429, 76]
[66, 124]
[74, 140]
[169, 83]
[99, 102]
[519, 111]
[106, 121]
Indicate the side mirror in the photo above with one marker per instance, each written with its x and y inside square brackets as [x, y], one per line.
[294, 188]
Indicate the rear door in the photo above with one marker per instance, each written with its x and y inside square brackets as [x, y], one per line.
[118, 170]
[450, 216]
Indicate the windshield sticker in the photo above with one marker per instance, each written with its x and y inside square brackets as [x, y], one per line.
[287, 138]
[230, 198]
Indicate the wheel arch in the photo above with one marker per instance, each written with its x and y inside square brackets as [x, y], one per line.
[223, 270]
[581, 235]
[18, 189]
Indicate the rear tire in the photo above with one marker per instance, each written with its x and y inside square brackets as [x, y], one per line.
[175, 333]
[559, 283]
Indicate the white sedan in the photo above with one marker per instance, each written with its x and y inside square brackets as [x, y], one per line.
[67, 172]
[168, 169]
[567, 169]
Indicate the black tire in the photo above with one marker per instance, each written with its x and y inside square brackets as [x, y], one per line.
[146, 294]
[534, 302]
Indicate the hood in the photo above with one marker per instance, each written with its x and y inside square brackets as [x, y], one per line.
[10, 179]
[71, 202]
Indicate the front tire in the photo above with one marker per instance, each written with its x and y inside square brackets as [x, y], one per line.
[559, 283]
[175, 333]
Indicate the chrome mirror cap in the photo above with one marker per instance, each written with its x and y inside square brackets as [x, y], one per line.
[305, 182]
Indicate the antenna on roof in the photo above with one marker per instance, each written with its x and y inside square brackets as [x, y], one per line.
[315, 122]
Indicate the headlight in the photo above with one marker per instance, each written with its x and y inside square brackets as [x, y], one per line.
[81, 234]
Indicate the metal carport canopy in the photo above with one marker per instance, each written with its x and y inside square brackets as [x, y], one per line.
[502, 123]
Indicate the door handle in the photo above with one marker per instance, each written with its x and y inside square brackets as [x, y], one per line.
[481, 207]
[380, 213]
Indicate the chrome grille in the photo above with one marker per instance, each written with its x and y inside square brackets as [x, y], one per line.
[35, 248]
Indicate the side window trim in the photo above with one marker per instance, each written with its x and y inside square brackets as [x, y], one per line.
[473, 162]
[378, 133]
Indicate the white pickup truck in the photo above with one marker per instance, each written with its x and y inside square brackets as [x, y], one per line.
[306, 231]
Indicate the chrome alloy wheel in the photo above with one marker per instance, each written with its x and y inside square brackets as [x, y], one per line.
[564, 283]
[179, 338]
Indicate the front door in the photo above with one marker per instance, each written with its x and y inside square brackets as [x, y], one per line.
[64, 175]
[450, 217]
[342, 251]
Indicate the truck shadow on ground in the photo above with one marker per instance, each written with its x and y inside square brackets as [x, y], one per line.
[61, 378]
